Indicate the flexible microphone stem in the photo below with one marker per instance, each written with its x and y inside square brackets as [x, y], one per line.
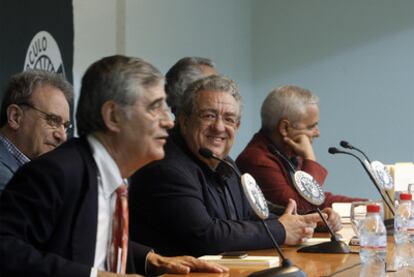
[333, 237]
[347, 145]
[285, 261]
[333, 150]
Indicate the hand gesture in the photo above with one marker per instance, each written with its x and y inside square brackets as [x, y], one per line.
[301, 145]
[334, 219]
[298, 228]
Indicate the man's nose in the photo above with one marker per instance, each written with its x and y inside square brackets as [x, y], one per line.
[60, 134]
[316, 132]
[218, 124]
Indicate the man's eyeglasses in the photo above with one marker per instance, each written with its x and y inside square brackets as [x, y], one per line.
[212, 117]
[307, 128]
[53, 120]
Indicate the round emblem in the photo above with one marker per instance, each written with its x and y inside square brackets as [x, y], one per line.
[254, 196]
[382, 175]
[43, 53]
[308, 188]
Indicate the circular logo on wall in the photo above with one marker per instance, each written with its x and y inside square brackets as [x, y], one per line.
[43, 53]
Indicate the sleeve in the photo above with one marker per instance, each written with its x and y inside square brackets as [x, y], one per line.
[137, 258]
[175, 202]
[29, 208]
[332, 198]
[273, 179]
[5, 176]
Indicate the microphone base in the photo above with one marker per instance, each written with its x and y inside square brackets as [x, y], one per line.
[282, 271]
[332, 247]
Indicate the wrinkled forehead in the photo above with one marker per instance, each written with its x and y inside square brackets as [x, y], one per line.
[222, 101]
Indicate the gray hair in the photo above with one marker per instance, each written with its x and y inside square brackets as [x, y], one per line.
[116, 78]
[181, 75]
[22, 85]
[215, 83]
[287, 102]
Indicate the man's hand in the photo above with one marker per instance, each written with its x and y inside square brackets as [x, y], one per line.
[182, 265]
[334, 219]
[298, 227]
[302, 146]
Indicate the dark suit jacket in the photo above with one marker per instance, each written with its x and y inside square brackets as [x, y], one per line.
[48, 217]
[8, 166]
[175, 205]
[273, 177]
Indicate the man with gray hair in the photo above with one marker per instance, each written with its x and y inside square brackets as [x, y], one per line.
[34, 119]
[182, 74]
[290, 116]
[66, 213]
[189, 204]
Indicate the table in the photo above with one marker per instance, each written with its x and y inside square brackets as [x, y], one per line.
[314, 265]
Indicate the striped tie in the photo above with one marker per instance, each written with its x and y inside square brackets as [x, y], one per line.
[118, 249]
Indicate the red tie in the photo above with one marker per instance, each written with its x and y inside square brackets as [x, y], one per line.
[118, 249]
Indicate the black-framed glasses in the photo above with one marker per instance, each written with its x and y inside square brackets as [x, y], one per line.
[53, 120]
[210, 116]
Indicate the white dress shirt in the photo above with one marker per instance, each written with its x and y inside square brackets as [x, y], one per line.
[109, 179]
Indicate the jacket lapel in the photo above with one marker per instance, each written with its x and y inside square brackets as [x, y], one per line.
[84, 234]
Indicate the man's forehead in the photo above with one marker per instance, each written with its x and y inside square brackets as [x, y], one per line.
[210, 99]
[153, 93]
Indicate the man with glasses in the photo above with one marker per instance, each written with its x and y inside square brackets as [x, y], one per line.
[290, 116]
[34, 118]
[66, 212]
[188, 204]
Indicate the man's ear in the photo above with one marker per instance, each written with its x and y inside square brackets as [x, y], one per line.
[112, 116]
[14, 116]
[282, 127]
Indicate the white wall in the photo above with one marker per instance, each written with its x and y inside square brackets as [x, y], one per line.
[357, 57]
[162, 32]
[95, 34]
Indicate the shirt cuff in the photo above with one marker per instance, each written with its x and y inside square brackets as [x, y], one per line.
[94, 272]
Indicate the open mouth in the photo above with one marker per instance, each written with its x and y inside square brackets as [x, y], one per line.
[215, 139]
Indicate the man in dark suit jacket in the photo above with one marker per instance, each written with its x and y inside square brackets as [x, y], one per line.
[35, 107]
[56, 213]
[187, 204]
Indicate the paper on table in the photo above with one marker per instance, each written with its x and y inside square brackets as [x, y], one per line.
[268, 261]
[344, 210]
[403, 174]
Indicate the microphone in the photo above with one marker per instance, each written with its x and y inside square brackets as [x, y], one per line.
[334, 150]
[257, 201]
[311, 191]
[381, 174]
[208, 154]
[347, 145]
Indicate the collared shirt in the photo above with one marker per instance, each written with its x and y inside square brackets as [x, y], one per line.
[14, 151]
[109, 179]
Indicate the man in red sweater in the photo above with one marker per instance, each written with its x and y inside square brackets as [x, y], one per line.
[290, 116]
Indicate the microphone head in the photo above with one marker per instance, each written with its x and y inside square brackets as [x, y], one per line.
[206, 153]
[346, 144]
[333, 150]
